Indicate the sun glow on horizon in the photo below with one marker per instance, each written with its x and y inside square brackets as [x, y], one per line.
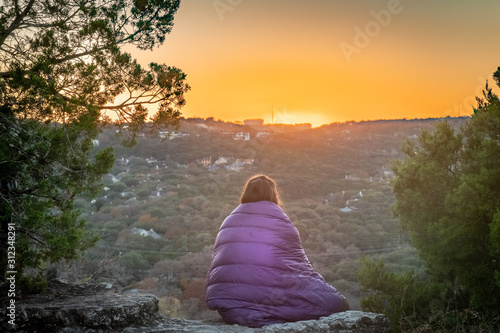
[278, 118]
[284, 64]
[296, 117]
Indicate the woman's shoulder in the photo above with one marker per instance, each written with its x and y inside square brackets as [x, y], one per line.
[265, 209]
[257, 213]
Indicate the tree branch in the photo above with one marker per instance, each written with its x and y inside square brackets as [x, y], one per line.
[17, 21]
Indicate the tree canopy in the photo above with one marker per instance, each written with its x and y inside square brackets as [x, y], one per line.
[62, 61]
[62, 68]
[447, 191]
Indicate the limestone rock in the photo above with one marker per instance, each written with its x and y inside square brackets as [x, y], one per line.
[97, 309]
[344, 322]
[99, 312]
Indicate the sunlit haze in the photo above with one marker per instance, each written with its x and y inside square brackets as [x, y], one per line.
[323, 61]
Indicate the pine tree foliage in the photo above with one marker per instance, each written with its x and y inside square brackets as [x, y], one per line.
[402, 297]
[63, 74]
[448, 200]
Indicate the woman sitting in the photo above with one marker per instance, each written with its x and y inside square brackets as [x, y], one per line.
[259, 273]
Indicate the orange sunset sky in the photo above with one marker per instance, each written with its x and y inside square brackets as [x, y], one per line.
[320, 61]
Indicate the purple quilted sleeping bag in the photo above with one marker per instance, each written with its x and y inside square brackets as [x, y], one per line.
[260, 274]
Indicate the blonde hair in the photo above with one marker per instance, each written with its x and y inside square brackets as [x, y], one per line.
[259, 188]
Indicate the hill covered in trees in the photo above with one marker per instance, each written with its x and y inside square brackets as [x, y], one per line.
[166, 197]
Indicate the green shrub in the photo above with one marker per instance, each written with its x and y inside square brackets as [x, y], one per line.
[32, 284]
[402, 297]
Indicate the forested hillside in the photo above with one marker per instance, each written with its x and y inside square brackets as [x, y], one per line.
[166, 197]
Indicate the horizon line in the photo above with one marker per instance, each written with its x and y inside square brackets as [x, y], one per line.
[242, 122]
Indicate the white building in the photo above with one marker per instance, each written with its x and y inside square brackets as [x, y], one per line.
[245, 136]
[145, 233]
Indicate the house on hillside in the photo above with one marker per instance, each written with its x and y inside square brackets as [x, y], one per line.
[347, 209]
[387, 173]
[145, 233]
[156, 193]
[221, 160]
[245, 136]
[124, 161]
[173, 135]
[245, 161]
[262, 135]
[234, 166]
[151, 160]
[110, 177]
[239, 164]
[206, 161]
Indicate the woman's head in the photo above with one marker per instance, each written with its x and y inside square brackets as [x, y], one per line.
[259, 188]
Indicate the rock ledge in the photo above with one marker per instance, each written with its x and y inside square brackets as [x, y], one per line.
[94, 309]
[344, 322]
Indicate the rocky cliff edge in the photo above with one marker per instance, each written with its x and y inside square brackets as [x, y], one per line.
[96, 309]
